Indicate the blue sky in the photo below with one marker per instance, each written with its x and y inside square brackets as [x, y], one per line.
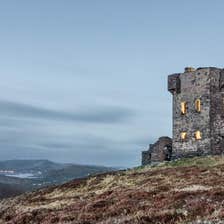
[85, 81]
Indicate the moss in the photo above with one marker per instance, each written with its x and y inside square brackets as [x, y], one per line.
[205, 161]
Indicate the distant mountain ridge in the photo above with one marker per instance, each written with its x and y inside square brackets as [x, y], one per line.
[68, 172]
[45, 173]
[33, 165]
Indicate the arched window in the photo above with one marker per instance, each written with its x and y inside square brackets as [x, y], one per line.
[198, 105]
[183, 135]
[183, 107]
[197, 135]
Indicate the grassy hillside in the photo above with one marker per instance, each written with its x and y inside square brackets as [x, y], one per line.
[183, 191]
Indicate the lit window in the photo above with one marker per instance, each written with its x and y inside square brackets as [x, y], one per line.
[183, 135]
[197, 135]
[198, 105]
[183, 107]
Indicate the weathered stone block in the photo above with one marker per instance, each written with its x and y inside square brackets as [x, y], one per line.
[174, 83]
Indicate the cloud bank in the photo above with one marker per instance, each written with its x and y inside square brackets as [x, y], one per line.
[109, 114]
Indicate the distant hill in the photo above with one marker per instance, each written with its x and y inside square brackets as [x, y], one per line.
[70, 172]
[51, 173]
[8, 190]
[30, 165]
[182, 191]
[14, 180]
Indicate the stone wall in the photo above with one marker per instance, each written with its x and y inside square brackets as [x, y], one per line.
[217, 111]
[159, 151]
[146, 158]
[206, 84]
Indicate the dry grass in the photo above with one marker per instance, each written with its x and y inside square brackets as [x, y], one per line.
[183, 191]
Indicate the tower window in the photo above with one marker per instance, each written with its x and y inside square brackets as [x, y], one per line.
[198, 105]
[183, 135]
[183, 107]
[197, 135]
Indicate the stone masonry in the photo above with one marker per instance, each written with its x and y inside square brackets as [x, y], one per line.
[198, 116]
[158, 152]
[205, 85]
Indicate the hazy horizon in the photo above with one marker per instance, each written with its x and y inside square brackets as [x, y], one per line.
[85, 82]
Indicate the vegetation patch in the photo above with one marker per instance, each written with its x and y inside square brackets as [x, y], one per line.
[182, 191]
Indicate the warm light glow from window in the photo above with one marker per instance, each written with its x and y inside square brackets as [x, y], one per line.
[198, 105]
[197, 135]
[183, 107]
[183, 135]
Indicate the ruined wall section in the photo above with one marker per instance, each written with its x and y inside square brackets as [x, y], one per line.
[146, 158]
[193, 85]
[160, 151]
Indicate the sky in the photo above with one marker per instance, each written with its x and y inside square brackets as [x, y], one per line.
[86, 81]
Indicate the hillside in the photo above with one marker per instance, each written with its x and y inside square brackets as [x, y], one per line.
[12, 186]
[29, 165]
[182, 191]
[8, 190]
[44, 173]
[72, 171]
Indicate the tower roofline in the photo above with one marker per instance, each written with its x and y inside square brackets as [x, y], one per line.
[192, 69]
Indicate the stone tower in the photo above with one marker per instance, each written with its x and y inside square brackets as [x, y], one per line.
[198, 111]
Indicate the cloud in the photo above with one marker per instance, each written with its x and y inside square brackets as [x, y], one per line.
[84, 149]
[26, 132]
[106, 114]
[143, 142]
